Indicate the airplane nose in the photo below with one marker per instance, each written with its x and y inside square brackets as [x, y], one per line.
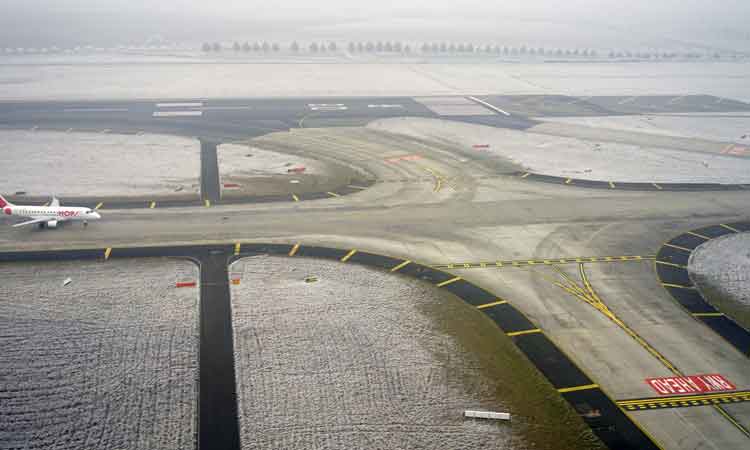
[97, 215]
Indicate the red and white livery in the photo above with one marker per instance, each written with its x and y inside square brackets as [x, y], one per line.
[48, 216]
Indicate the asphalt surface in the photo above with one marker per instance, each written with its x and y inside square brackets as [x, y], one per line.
[622, 326]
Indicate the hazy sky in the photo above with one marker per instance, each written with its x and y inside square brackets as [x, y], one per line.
[105, 22]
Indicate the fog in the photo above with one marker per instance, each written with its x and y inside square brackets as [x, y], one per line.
[546, 22]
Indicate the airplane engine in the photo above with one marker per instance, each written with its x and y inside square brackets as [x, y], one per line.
[52, 224]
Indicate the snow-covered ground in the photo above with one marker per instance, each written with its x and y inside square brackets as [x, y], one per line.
[577, 158]
[95, 164]
[109, 361]
[246, 161]
[365, 359]
[719, 127]
[168, 80]
[721, 269]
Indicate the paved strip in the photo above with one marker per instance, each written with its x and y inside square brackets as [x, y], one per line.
[685, 401]
[547, 262]
[210, 179]
[218, 420]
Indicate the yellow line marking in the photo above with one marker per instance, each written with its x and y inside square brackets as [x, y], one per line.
[333, 194]
[294, 249]
[677, 286]
[490, 305]
[568, 181]
[525, 175]
[207, 202]
[684, 399]
[295, 198]
[698, 235]
[348, 255]
[671, 264]
[237, 247]
[578, 388]
[99, 205]
[401, 266]
[707, 314]
[678, 247]
[152, 205]
[729, 228]
[611, 185]
[107, 252]
[519, 333]
[447, 282]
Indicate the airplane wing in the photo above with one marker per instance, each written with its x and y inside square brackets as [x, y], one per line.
[31, 222]
[55, 203]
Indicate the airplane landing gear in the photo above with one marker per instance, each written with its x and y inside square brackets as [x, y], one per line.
[85, 223]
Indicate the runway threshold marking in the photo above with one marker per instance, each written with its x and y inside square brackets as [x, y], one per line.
[346, 257]
[107, 252]
[729, 227]
[521, 333]
[490, 305]
[447, 282]
[578, 388]
[294, 249]
[99, 205]
[401, 266]
[295, 198]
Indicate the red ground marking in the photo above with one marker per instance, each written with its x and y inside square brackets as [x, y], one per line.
[403, 158]
[181, 284]
[691, 384]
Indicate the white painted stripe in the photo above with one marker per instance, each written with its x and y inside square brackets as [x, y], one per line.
[485, 104]
[180, 105]
[178, 113]
[226, 108]
[385, 106]
[97, 110]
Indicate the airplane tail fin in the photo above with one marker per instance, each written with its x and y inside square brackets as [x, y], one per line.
[4, 203]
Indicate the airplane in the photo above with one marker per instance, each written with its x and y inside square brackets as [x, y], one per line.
[48, 216]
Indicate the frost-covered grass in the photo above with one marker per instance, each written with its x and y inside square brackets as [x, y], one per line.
[107, 362]
[96, 164]
[366, 359]
[578, 158]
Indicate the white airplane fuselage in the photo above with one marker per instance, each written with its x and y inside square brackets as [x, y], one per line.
[48, 216]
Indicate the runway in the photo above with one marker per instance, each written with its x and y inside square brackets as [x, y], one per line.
[576, 264]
